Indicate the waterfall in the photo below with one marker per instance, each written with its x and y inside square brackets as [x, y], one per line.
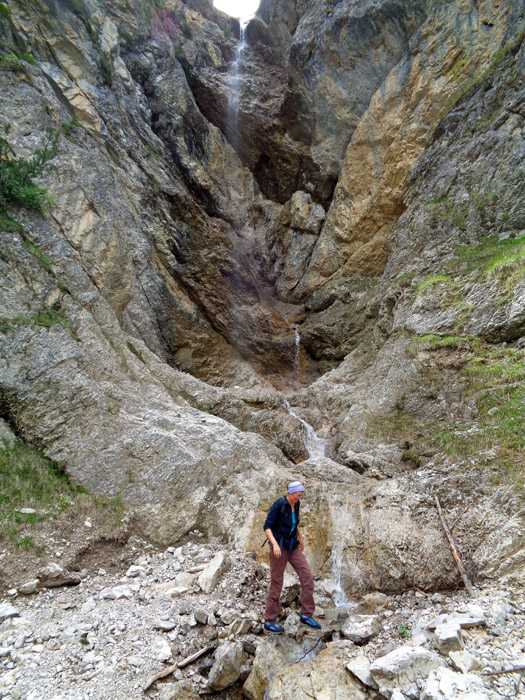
[315, 446]
[297, 353]
[340, 523]
[234, 85]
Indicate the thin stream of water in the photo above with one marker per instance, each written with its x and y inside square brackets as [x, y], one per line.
[235, 84]
[315, 446]
[340, 519]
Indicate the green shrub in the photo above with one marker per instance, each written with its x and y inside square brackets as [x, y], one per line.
[24, 56]
[5, 12]
[26, 543]
[35, 250]
[67, 127]
[185, 26]
[17, 174]
[7, 224]
[9, 61]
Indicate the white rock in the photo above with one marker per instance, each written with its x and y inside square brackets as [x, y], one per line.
[403, 668]
[227, 616]
[448, 637]
[122, 592]
[360, 628]
[7, 610]
[211, 575]
[291, 624]
[162, 650]
[184, 579]
[164, 587]
[176, 591]
[464, 661]
[474, 618]
[330, 588]
[51, 570]
[201, 616]
[397, 695]
[134, 660]
[29, 587]
[444, 684]
[226, 669]
[164, 625]
[135, 571]
[88, 606]
[360, 668]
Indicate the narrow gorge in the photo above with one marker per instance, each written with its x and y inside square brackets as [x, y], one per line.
[238, 253]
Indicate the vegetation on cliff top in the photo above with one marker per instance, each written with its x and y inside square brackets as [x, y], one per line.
[34, 490]
[492, 383]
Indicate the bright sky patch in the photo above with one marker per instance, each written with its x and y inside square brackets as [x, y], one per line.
[237, 8]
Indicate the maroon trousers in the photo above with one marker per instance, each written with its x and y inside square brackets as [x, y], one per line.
[277, 567]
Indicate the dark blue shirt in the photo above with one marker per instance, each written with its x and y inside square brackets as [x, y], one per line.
[279, 521]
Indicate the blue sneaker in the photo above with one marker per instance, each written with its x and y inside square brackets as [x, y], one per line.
[273, 628]
[311, 623]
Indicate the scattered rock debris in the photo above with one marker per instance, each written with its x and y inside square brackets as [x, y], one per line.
[112, 635]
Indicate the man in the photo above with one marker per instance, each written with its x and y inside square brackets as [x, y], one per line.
[286, 545]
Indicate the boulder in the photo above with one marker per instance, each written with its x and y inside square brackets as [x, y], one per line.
[360, 628]
[305, 215]
[404, 668]
[29, 587]
[226, 669]
[360, 668]
[322, 678]
[372, 603]
[212, 574]
[266, 661]
[464, 662]
[240, 627]
[448, 637]
[444, 684]
[7, 610]
[184, 579]
[269, 657]
[473, 617]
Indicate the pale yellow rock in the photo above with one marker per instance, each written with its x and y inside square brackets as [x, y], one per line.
[395, 130]
[323, 678]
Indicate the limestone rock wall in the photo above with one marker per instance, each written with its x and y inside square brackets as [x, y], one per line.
[188, 279]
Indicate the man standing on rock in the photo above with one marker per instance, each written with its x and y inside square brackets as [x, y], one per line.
[286, 545]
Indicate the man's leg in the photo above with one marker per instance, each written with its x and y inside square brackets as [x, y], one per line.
[299, 563]
[277, 567]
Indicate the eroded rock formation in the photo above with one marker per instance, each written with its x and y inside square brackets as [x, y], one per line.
[187, 280]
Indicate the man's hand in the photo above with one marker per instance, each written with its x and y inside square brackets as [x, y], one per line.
[276, 551]
[301, 544]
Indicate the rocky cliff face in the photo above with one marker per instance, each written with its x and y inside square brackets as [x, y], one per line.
[349, 239]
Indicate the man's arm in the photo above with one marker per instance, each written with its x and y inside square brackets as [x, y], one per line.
[300, 536]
